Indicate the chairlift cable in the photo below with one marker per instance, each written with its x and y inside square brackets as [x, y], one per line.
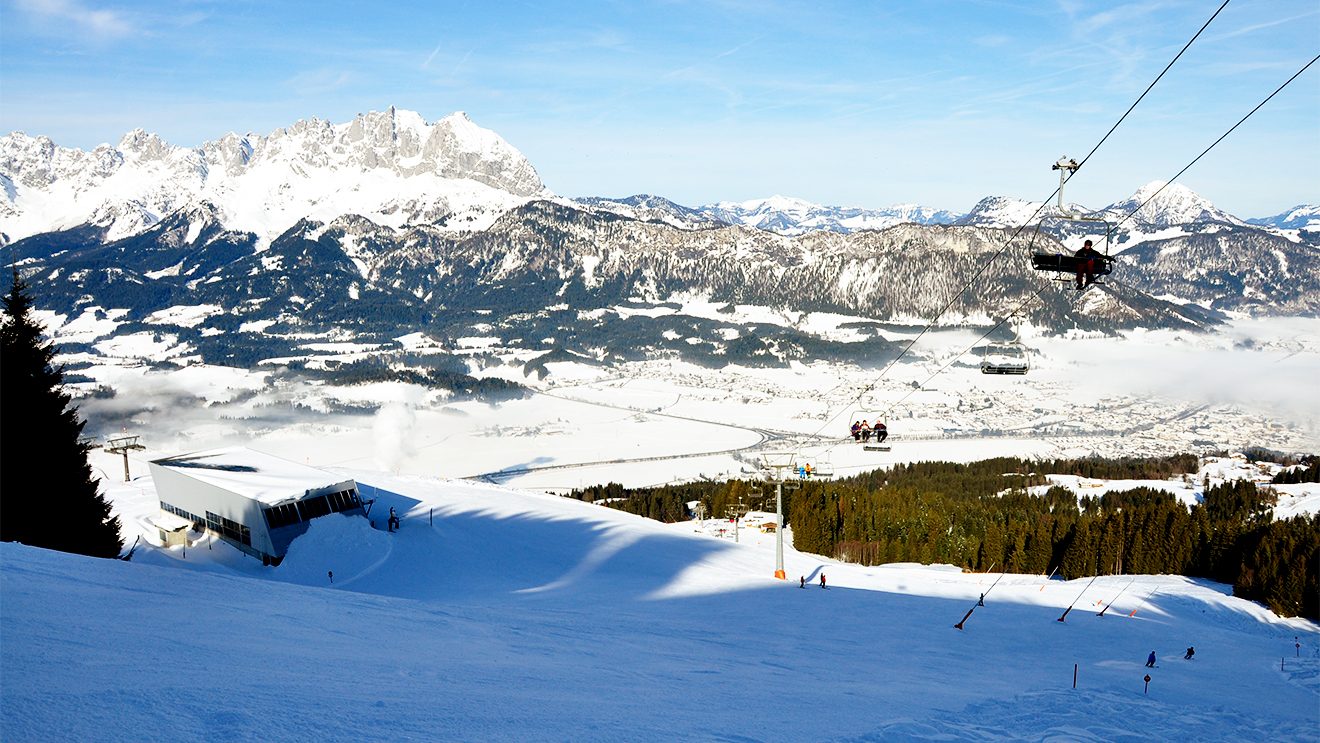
[977, 274]
[1152, 85]
[962, 353]
[1217, 141]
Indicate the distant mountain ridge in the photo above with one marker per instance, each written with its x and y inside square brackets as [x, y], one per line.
[391, 166]
[790, 216]
[388, 224]
[1300, 217]
[397, 169]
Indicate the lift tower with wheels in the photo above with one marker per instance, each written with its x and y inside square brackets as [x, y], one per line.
[780, 466]
[123, 444]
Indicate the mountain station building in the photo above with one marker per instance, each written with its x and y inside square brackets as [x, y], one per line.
[254, 501]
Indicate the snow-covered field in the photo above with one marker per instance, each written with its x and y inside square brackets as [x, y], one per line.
[525, 616]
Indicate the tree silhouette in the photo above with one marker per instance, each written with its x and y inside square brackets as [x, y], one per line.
[47, 495]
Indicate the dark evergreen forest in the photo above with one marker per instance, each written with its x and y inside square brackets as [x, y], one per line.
[980, 516]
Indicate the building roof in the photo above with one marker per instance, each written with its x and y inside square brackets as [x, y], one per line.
[253, 474]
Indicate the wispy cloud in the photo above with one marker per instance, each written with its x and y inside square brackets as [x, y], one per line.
[313, 82]
[736, 49]
[100, 23]
[559, 42]
[1261, 26]
[431, 57]
[993, 41]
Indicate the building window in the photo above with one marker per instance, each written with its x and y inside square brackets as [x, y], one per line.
[281, 516]
[314, 507]
[343, 500]
[235, 531]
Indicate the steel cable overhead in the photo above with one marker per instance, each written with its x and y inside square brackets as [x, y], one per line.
[995, 256]
[1130, 214]
[1217, 141]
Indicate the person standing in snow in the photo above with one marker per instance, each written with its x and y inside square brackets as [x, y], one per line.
[822, 580]
[802, 581]
[1150, 661]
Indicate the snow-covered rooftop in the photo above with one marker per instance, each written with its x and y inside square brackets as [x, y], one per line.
[169, 521]
[256, 475]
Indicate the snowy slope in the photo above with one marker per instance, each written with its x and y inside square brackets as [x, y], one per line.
[519, 616]
[392, 166]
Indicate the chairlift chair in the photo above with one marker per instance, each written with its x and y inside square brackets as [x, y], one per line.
[1004, 358]
[1064, 263]
[868, 445]
[814, 469]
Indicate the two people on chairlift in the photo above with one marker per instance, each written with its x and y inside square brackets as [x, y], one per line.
[863, 432]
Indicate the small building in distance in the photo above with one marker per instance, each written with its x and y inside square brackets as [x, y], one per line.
[257, 502]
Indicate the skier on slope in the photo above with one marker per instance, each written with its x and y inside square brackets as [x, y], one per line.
[802, 581]
[822, 580]
[1150, 661]
[1190, 652]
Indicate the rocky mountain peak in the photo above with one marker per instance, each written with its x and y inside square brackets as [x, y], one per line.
[1162, 204]
[451, 170]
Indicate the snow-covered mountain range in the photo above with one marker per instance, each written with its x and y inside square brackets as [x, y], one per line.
[392, 167]
[396, 169]
[387, 224]
[1300, 217]
[790, 216]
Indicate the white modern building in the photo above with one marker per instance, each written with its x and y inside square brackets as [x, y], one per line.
[257, 502]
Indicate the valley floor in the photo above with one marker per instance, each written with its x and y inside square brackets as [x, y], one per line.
[648, 423]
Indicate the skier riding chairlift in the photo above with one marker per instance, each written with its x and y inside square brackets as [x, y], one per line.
[1087, 263]
[862, 432]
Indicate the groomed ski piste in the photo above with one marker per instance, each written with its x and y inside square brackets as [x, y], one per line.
[498, 614]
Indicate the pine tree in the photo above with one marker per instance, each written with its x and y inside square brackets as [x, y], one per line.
[47, 495]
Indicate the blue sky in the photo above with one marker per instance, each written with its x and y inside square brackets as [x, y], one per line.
[847, 103]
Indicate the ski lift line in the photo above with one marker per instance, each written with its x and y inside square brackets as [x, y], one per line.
[958, 295]
[886, 412]
[962, 353]
[1152, 84]
[1220, 139]
[884, 372]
